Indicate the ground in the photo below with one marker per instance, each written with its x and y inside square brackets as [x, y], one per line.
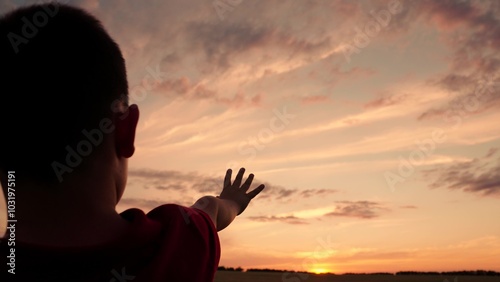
[233, 276]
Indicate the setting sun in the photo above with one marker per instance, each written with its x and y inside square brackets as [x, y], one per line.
[319, 270]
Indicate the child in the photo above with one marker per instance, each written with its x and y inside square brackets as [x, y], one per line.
[67, 134]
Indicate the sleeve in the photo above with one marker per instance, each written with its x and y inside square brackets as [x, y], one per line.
[189, 249]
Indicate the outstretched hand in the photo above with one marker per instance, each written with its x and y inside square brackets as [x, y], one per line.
[238, 192]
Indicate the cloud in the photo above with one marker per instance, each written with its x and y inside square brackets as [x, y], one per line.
[6, 6]
[471, 31]
[474, 96]
[358, 209]
[180, 86]
[450, 14]
[90, 5]
[316, 192]
[285, 219]
[455, 82]
[491, 152]
[386, 100]
[277, 192]
[478, 175]
[183, 88]
[478, 18]
[160, 174]
[221, 42]
[193, 182]
[176, 180]
[223, 45]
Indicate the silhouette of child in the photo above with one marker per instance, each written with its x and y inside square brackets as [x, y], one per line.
[67, 134]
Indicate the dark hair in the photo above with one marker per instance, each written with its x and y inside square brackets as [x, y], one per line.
[60, 73]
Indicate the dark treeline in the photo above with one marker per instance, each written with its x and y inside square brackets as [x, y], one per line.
[257, 269]
[374, 273]
[454, 273]
[450, 273]
[230, 268]
[273, 270]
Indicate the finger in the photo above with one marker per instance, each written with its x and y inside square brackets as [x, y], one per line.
[239, 176]
[256, 191]
[247, 183]
[227, 179]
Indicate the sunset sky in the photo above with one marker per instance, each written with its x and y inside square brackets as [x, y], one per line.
[375, 125]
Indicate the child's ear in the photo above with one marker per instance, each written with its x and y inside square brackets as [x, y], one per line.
[126, 124]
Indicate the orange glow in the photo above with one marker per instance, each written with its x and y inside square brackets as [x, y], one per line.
[319, 270]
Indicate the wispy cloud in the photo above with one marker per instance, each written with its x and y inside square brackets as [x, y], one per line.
[358, 209]
[285, 219]
[479, 175]
[193, 182]
[409, 207]
[386, 100]
[183, 88]
[472, 95]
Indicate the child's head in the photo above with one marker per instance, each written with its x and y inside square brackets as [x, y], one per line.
[63, 92]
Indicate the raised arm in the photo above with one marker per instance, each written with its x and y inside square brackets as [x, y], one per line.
[231, 202]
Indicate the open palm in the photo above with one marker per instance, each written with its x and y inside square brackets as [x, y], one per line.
[238, 192]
